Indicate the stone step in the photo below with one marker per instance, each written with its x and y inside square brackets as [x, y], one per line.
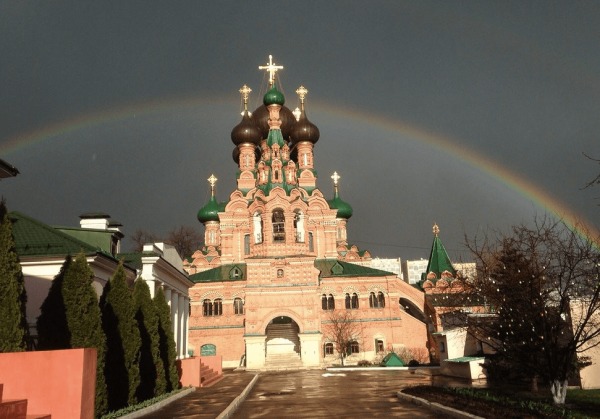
[13, 409]
[208, 376]
[290, 360]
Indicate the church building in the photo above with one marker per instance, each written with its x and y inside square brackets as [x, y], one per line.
[276, 272]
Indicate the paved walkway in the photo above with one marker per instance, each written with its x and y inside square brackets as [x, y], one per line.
[304, 394]
[324, 394]
[206, 402]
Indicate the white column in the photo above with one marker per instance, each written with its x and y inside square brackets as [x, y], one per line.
[186, 316]
[180, 326]
[174, 315]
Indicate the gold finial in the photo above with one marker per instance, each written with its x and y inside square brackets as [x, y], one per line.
[213, 181]
[245, 92]
[301, 92]
[436, 229]
[271, 68]
[297, 112]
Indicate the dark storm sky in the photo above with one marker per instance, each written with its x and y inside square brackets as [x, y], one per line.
[454, 112]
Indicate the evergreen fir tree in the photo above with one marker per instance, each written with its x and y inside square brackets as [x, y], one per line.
[14, 331]
[168, 353]
[52, 327]
[123, 342]
[147, 320]
[71, 318]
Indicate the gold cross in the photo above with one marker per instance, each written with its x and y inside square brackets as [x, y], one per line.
[271, 68]
[212, 180]
[335, 178]
[436, 229]
[301, 92]
[245, 91]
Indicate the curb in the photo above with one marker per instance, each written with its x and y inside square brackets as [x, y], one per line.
[159, 405]
[233, 406]
[448, 411]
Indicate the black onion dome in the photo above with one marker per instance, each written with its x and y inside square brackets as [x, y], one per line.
[304, 130]
[246, 132]
[261, 119]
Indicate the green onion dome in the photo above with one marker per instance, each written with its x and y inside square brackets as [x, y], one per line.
[344, 210]
[273, 97]
[246, 131]
[209, 212]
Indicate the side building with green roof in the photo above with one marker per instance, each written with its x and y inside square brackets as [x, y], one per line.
[42, 250]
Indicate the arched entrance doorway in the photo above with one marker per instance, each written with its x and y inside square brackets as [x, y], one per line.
[283, 343]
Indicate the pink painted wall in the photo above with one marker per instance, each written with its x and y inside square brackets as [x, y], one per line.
[61, 383]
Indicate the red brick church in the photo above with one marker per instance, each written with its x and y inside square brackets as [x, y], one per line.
[276, 266]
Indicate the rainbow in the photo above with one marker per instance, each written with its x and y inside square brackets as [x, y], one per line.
[445, 144]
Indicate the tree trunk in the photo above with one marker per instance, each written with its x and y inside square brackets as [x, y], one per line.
[559, 391]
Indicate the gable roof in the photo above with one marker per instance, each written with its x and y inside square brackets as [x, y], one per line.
[34, 238]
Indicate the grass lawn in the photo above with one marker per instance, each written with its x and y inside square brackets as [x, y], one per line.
[584, 402]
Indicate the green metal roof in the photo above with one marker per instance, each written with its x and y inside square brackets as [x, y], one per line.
[134, 259]
[223, 273]
[34, 238]
[331, 268]
[439, 260]
[102, 239]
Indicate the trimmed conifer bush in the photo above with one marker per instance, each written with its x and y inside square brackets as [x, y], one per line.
[52, 326]
[71, 318]
[14, 331]
[168, 353]
[147, 320]
[123, 342]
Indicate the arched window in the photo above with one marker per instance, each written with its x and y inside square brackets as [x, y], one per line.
[376, 300]
[354, 300]
[278, 220]
[218, 307]
[327, 302]
[381, 299]
[379, 345]
[351, 301]
[238, 306]
[311, 245]
[207, 309]
[328, 350]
